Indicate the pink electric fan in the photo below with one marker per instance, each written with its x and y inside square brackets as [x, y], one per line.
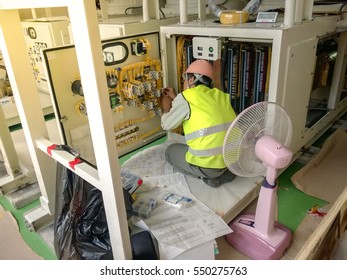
[255, 144]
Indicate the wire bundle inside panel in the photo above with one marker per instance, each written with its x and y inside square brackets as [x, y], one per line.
[243, 70]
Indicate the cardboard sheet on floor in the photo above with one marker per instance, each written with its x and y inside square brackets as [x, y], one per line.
[12, 246]
[325, 175]
[152, 162]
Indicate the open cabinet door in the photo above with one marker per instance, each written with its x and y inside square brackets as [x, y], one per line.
[134, 80]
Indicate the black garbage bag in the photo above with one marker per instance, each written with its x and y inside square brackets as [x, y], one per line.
[80, 224]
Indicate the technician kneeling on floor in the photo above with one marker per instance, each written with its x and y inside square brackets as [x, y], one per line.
[205, 113]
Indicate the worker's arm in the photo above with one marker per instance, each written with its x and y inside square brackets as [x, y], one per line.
[177, 113]
[169, 95]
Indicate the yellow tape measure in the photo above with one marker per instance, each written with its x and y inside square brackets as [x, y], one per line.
[233, 17]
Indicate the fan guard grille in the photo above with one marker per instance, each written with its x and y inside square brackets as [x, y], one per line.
[263, 118]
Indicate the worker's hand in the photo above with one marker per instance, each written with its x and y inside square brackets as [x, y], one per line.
[166, 103]
[170, 92]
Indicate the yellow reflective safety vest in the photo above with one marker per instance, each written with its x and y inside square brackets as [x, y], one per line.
[211, 114]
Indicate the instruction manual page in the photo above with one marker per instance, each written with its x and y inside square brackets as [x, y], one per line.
[178, 229]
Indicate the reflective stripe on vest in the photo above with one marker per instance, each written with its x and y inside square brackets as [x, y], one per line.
[207, 131]
[206, 152]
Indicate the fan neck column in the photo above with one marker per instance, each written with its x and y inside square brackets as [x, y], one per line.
[271, 175]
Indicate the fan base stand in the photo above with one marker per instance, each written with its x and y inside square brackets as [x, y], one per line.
[247, 240]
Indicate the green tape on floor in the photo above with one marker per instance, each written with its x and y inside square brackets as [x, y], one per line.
[293, 203]
[31, 238]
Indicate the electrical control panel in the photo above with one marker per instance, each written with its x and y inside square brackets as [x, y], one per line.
[241, 69]
[260, 63]
[40, 34]
[134, 81]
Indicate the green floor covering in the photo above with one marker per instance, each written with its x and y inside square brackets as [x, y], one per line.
[293, 203]
[31, 238]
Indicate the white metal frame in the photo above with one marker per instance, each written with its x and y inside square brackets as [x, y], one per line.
[17, 174]
[82, 14]
[7, 149]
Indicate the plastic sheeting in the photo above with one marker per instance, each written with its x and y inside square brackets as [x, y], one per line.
[80, 228]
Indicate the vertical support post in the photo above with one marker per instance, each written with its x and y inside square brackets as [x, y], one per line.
[48, 12]
[150, 10]
[84, 25]
[183, 11]
[337, 83]
[289, 12]
[299, 9]
[202, 9]
[104, 12]
[28, 104]
[145, 10]
[33, 13]
[157, 9]
[308, 8]
[7, 148]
